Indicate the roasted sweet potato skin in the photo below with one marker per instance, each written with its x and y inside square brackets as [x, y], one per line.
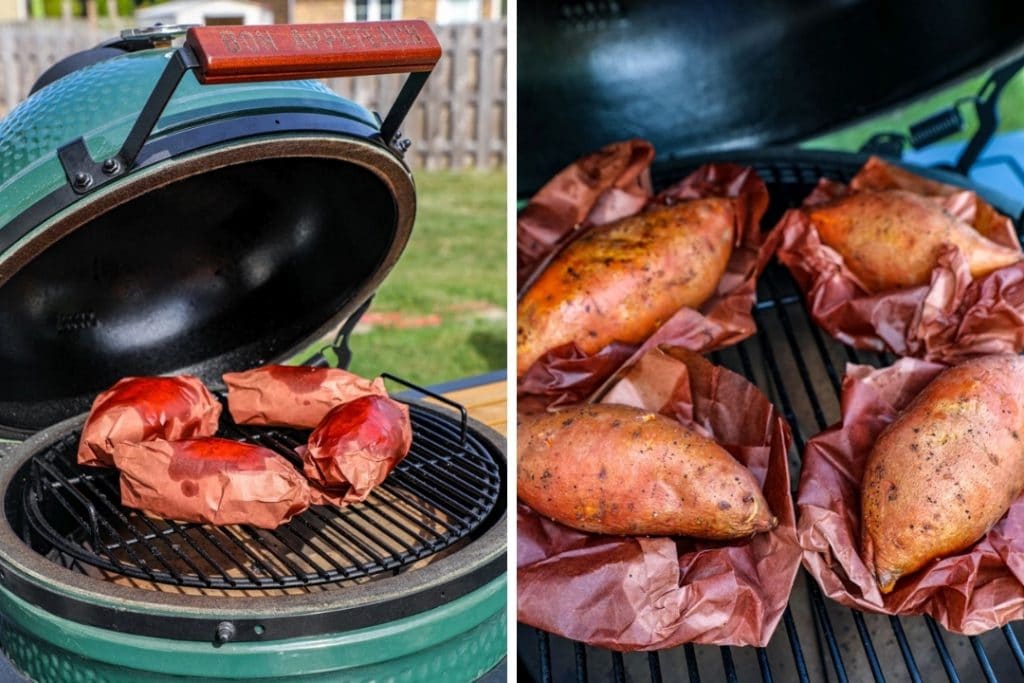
[946, 469]
[621, 281]
[620, 470]
[892, 239]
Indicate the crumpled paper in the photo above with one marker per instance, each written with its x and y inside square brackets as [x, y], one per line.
[211, 480]
[971, 592]
[605, 186]
[354, 449]
[293, 396]
[142, 408]
[948, 320]
[647, 593]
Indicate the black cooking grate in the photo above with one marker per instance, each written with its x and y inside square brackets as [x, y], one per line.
[800, 369]
[439, 494]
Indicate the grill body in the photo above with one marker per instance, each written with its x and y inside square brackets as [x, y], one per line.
[800, 369]
[439, 608]
[459, 641]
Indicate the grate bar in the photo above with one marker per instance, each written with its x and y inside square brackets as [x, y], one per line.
[869, 648]
[794, 645]
[908, 656]
[544, 654]
[654, 666]
[691, 663]
[618, 668]
[986, 665]
[764, 665]
[1011, 640]
[940, 645]
[580, 653]
[727, 665]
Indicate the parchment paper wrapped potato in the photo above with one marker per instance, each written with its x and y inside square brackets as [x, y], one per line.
[969, 591]
[615, 469]
[897, 262]
[293, 396]
[648, 592]
[355, 447]
[218, 481]
[621, 281]
[892, 239]
[946, 469]
[143, 408]
[608, 270]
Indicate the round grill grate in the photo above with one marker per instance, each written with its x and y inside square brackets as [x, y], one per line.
[440, 494]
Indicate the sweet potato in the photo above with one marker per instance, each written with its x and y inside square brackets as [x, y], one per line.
[621, 281]
[946, 469]
[142, 408]
[615, 469]
[892, 239]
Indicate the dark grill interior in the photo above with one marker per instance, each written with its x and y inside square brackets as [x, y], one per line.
[248, 280]
[800, 369]
[441, 493]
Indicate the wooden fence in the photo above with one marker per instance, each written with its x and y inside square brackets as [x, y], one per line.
[457, 122]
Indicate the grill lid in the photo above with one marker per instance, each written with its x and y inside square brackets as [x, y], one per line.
[693, 76]
[220, 227]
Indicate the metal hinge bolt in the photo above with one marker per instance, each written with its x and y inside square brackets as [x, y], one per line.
[225, 631]
[82, 180]
[111, 166]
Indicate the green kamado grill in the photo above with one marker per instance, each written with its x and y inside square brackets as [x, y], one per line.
[196, 209]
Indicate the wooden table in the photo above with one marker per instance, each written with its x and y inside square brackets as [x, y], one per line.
[486, 403]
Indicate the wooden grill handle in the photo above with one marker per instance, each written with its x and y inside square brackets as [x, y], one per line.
[244, 54]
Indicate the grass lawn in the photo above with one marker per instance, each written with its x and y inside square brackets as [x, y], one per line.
[1011, 115]
[441, 313]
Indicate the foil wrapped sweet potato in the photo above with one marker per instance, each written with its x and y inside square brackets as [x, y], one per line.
[355, 447]
[620, 281]
[211, 480]
[891, 239]
[946, 469]
[615, 469]
[293, 396]
[142, 408]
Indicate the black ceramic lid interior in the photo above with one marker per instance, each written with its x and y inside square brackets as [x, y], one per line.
[216, 261]
[693, 76]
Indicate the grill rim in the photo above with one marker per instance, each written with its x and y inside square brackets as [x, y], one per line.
[94, 602]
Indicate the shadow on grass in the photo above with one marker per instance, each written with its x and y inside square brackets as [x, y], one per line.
[490, 346]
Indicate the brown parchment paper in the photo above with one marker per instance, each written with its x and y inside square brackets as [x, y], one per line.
[646, 593]
[142, 408]
[948, 320]
[293, 396]
[611, 184]
[971, 592]
[217, 481]
[354, 449]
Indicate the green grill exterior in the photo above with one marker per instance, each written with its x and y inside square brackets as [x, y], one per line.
[459, 641]
[101, 102]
